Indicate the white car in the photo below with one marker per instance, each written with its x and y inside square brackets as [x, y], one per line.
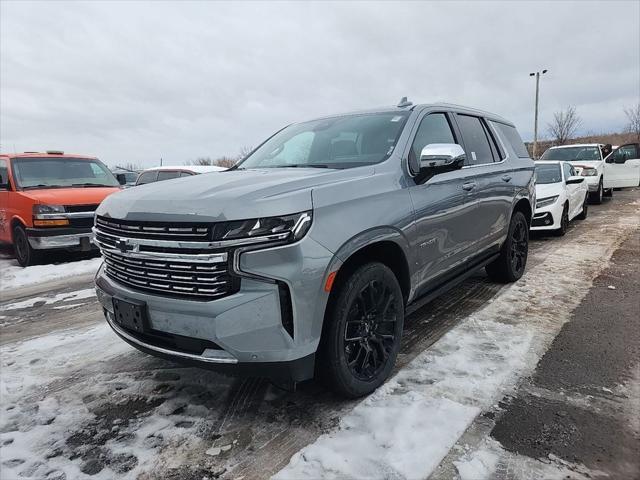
[588, 160]
[157, 174]
[561, 196]
[623, 166]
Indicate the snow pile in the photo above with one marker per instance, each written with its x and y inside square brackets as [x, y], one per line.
[48, 300]
[389, 436]
[470, 368]
[13, 275]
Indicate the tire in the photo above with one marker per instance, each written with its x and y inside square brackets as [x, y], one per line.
[564, 222]
[585, 208]
[608, 193]
[22, 248]
[596, 197]
[363, 328]
[510, 265]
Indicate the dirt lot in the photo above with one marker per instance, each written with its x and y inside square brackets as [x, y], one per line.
[541, 376]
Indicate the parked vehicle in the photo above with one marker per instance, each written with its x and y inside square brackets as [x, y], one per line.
[158, 174]
[588, 161]
[48, 200]
[307, 255]
[561, 196]
[126, 178]
[623, 166]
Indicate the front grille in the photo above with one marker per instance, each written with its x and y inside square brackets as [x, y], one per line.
[81, 222]
[80, 208]
[185, 232]
[203, 281]
[149, 258]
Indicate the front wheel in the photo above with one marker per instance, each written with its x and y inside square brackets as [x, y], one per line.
[596, 197]
[22, 248]
[509, 266]
[585, 208]
[564, 222]
[364, 327]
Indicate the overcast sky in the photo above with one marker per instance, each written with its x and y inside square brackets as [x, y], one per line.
[133, 82]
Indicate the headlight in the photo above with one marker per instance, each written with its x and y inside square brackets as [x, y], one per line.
[543, 202]
[589, 172]
[49, 216]
[287, 227]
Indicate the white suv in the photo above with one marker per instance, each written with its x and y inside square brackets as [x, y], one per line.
[588, 161]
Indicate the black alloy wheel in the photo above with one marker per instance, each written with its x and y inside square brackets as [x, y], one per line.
[564, 222]
[510, 264]
[585, 208]
[362, 331]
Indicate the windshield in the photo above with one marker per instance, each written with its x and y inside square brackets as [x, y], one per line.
[61, 172]
[548, 173]
[589, 154]
[340, 142]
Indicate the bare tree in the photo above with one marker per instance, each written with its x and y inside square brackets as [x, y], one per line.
[633, 115]
[224, 161]
[564, 126]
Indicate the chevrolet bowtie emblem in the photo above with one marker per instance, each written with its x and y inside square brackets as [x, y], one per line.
[124, 245]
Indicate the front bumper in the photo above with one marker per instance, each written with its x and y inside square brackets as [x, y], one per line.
[244, 330]
[592, 183]
[68, 238]
[547, 218]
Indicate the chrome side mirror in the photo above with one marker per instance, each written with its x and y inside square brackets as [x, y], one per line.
[448, 156]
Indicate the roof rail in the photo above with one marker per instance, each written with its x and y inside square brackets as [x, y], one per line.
[55, 152]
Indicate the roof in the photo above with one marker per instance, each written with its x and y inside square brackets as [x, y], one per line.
[189, 168]
[579, 145]
[45, 155]
[550, 161]
[420, 107]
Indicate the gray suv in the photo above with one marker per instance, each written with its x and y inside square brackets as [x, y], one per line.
[305, 257]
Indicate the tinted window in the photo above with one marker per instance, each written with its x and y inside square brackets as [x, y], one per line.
[434, 128]
[511, 135]
[147, 177]
[624, 153]
[549, 173]
[337, 142]
[475, 139]
[186, 174]
[168, 174]
[4, 172]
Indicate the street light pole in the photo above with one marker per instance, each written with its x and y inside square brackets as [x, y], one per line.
[535, 122]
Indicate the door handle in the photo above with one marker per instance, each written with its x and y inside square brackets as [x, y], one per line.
[506, 178]
[469, 186]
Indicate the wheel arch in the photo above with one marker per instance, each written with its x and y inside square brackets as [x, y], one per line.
[523, 205]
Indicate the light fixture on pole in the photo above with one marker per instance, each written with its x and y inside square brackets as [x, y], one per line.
[535, 122]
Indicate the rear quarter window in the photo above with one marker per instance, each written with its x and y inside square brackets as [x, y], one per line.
[511, 135]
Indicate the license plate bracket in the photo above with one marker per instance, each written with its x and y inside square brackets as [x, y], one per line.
[131, 315]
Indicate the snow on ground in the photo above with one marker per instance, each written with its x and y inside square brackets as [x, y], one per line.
[50, 299]
[436, 396]
[12, 275]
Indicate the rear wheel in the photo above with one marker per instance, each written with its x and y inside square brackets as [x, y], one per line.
[362, 338]
[564, 222]
[585, 208]
[509, 266]
[24, 253]
[596, 197]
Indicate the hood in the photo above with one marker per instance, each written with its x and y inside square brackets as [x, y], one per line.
[221, 196]
[548, 189]
[70, 196]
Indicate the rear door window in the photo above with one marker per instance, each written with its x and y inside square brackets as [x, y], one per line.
[168, 174]
[477, 144]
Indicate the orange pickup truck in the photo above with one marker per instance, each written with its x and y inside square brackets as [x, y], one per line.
[48, 200]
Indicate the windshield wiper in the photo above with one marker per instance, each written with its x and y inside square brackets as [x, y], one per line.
[303, 165]
[89, 184]
[43, 185]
